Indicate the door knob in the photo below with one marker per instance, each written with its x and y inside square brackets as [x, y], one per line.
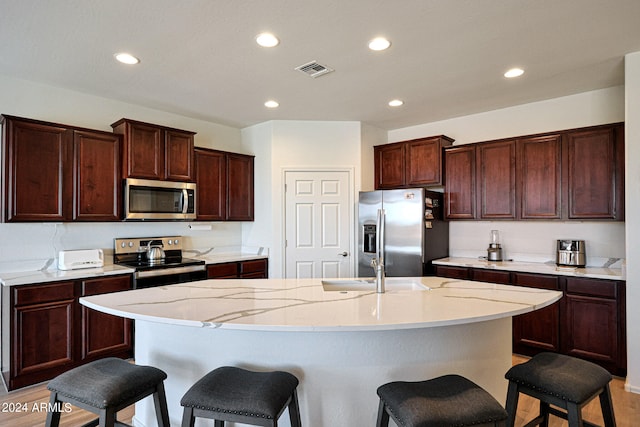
[345, 253]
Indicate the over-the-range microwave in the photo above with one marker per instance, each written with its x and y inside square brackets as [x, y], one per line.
[146, 199]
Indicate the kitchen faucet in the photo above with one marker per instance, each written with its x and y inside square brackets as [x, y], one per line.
[378, 267]
[378, 262]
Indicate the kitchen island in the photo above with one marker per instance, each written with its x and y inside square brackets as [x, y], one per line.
[341, 344]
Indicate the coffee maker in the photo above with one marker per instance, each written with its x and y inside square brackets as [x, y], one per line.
[494, 252]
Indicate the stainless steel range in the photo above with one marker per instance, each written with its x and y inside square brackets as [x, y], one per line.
[157, 261]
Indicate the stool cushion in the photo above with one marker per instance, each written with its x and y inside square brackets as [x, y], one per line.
[106, 382]
[565, 377]
[450, 400]
[234, 390]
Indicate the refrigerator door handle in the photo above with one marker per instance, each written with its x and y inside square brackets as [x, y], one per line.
[380, 220]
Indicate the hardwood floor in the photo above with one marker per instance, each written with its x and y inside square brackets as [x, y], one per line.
[27, 408]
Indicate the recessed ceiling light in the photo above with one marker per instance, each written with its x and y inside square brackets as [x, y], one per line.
[395, 103]
[271, 104]
[514, 72]
[379, 43]
[126, 58]
[267, 40]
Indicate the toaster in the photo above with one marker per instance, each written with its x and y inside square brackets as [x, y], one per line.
[74, 260]
[571, 253]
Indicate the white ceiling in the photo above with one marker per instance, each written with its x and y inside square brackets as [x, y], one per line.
[199, 57]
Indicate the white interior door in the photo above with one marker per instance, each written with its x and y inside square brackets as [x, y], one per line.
[318, 224]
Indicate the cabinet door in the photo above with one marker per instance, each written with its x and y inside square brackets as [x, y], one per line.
[460, 188]
[37, 172]
[424, 160]
[539, 177]
[143, 150]
[211, 178]
[539, 330]
[96, 178]
[239, 187]
[389, 166]
[178, 155]
[42, 338]
[103, 334]
[496, 164]
[593, 322]
[595, 172]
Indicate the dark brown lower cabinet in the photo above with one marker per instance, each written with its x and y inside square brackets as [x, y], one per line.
[252, 269]
[595, 312]
[50, 332]
[589, 321]
[539, 330]
[104, 334]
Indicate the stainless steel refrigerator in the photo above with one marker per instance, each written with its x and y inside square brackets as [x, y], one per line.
[405, 227]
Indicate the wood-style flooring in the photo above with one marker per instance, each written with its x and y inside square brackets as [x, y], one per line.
[21, 408]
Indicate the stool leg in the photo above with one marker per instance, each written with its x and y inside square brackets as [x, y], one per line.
[383, 416]
[574, 415]
[294, 411]
[53, 415]
[607, 407]
[544, 414]
[160, 402]
[188, 420]
[107, 418]
[512, 403]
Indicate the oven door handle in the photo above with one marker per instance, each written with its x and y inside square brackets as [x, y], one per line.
[169, 271]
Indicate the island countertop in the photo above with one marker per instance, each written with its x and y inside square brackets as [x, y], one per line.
[304, 305]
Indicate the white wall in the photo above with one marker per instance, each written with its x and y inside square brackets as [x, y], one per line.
[632, 189]
[40, 241]
[294, 144]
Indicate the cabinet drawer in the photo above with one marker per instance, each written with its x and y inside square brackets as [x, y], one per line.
[229, 269]
[259, 265]
[58, 291]
[592, 287]
[106, 285]
[452, 272]
[491, 276]
[536, 281]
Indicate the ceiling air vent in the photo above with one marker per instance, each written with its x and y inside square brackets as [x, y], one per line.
[314, 69]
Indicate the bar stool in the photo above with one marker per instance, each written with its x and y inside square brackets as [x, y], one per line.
[238, 395]
[450, 400]
[105, 387]
[564, 381]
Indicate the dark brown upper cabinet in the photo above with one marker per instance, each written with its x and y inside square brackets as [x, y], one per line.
[595, 173]
[225, 186]
[539, 177]
[460, 189]
[572, 174]
[414, 163]
[496, 168]
[155, 152]
[56, 172]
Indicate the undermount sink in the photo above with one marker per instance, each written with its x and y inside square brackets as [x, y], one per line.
[390, 284]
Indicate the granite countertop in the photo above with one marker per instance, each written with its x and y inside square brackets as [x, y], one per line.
[55, 275]
[535, 267]
[304, 304]
[52, 274]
